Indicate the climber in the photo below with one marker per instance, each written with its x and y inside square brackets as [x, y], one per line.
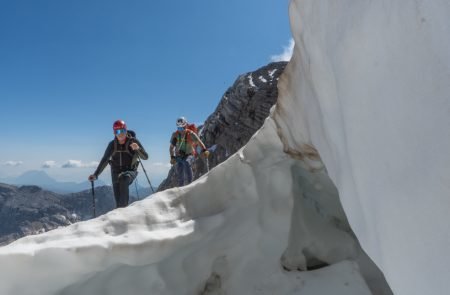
[123, 154]
[182, 150]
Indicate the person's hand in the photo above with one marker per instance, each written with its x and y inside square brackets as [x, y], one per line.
[134, 146]
[206, 153]
[173, 161]
[92, 177]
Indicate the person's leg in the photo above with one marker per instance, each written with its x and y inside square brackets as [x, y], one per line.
[125, 179]
[180, 172]
[116, 187]
[188, 169]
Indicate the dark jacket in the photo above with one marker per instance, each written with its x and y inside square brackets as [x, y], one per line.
[121, 157]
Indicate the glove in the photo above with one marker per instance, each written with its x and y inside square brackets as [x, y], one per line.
[134, 146]
[206, 153]
[173, 161]
[92, 177]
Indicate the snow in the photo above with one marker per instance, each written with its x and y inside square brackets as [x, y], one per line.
[360, 131]
[225, 232]
[372, 93]
[262, 79]
[271, 73]
[250, 80]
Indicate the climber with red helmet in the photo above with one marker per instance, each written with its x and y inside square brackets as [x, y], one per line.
[123, 155]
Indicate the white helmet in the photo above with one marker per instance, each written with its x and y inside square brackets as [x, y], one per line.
[181, 122]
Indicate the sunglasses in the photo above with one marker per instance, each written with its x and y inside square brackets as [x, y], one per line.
[120, 131]
[180, 128]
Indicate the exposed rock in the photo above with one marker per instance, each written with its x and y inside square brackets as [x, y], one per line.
[81, 203]
[29, 209]
[240, 113]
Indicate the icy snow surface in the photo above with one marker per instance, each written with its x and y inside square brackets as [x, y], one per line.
[225, 232]
[370, 86]
[366, 92]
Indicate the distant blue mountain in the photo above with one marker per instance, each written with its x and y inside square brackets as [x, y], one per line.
[42, 179]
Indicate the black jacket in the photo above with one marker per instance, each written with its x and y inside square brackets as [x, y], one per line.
[121, 157]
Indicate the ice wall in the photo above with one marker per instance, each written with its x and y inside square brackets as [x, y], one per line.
[370, 85]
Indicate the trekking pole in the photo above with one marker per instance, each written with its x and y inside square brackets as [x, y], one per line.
[93, 197]
[210, 149]
[135, 186]
[151, 186]
[207, 161]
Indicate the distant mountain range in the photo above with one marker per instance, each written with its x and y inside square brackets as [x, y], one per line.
[42, 179]
[29, 209]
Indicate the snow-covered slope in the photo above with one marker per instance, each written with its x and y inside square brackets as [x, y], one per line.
[224, 233]
[365, 101]
[370, 83]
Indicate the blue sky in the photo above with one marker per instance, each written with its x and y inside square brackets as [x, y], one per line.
[70, 68]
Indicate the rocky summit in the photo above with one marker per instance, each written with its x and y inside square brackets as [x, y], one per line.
[240, 113]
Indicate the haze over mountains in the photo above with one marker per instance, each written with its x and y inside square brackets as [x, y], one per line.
[42, 179]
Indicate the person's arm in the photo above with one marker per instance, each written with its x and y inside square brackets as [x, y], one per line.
[105, 160]
[197, 139]
[140, 151]
[173, 144]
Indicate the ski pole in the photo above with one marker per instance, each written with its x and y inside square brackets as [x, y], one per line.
[93, 197]
[151, 186]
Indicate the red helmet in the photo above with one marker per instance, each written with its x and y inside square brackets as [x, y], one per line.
[119, 124]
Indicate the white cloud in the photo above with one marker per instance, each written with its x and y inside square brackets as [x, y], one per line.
[13, 163]
[79, 164]
[287, 53]
[49, 164]
[158, 164]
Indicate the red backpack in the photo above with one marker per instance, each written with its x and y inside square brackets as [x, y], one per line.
[189, 140]
[192, 127]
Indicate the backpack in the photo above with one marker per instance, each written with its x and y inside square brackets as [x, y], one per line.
[192, 127]
[189, 140]
[130, 135]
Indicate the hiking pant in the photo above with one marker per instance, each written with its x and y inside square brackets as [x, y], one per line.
[184, 170]
[121, 181]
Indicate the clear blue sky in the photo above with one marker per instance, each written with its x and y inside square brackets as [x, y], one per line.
[70, 68]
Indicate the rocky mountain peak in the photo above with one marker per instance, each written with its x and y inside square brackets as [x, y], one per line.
[239, 114]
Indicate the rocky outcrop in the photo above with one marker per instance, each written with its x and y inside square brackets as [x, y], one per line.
[81, 203]
[240, 113]
[28, 210]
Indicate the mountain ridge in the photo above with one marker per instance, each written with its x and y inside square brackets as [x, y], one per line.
[42, 179]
